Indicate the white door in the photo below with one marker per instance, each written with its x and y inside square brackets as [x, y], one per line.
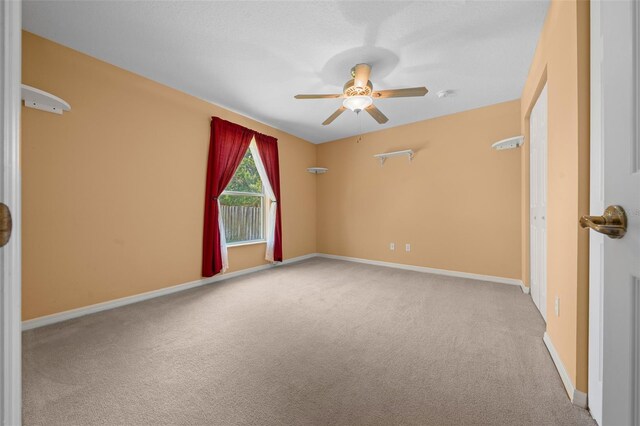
[538, 202]
[10, 327]
[614, 289]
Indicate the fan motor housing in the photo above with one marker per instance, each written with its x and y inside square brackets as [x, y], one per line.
[351, 90]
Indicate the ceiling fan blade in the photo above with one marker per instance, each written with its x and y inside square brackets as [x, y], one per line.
[334, 116]
[376, 114]
[400, 93]
[318, 96]
[361, 73]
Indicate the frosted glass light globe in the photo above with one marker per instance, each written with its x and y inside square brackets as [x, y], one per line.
[357, 103]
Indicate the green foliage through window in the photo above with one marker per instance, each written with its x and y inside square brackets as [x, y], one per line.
[246, 178]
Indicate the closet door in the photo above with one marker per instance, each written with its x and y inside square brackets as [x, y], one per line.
[538, 202]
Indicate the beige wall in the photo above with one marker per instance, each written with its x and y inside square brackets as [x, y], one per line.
[457, 203]
[113, 192]
[562, 61]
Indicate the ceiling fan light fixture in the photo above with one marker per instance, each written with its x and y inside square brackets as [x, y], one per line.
[357, 103]
[358, 95]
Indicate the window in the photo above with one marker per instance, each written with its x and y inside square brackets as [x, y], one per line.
[242, 204]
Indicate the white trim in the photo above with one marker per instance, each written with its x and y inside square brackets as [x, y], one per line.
[577, 398]
[596, 206]
[469, 275]
[243, 194]
[635, 348]
[98, 307]
[246, 243]
[10, 255]
[111, 304]
[296, 259]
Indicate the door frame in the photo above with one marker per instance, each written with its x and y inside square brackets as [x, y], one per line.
[596, 204]
[10, 255]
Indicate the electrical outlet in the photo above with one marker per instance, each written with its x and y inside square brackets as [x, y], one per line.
[407, 247]
[392, 246]
[557, 306]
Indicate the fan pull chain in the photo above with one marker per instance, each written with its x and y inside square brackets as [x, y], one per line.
[359, 127]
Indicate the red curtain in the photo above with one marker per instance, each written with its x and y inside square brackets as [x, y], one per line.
[227, 146]
[268, 149]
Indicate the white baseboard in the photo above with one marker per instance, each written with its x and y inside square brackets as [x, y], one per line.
[490, 278]
[98, 307]
[111, 304]
[577, 398]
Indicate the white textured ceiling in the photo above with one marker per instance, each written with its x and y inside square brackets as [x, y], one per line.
[253, 57]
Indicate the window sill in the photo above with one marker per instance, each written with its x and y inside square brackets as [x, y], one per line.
[246, 243]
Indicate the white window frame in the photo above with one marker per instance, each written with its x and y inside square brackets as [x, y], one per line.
[263, 206]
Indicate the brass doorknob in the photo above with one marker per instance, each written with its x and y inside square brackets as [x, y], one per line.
[613, 223]
[5, 224]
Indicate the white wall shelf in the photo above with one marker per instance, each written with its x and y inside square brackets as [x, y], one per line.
[509, 143]
[382, 157]
[39, 99]
[317, 170]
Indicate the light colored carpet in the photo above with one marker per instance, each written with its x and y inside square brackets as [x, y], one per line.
[321, 342]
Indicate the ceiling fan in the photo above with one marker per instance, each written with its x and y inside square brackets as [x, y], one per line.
[358, 95]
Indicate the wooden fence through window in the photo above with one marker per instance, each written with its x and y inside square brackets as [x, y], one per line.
[242, 223]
